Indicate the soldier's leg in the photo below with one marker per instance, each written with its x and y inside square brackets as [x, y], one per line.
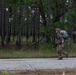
[59, 52]
[64, 53]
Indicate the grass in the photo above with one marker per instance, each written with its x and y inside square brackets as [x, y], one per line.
[26, 54]
[41, 72]
[47, 72]
[44, 51]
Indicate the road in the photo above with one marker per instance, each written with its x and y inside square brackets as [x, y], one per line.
[37, 63]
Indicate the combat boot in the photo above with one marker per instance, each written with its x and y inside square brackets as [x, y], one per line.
[60, 58]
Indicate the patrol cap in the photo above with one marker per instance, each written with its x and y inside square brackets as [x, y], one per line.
[57, 29]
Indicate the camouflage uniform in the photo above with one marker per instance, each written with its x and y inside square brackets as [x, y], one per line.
[60, 46]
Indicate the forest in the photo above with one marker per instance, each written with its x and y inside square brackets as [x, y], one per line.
[29, 23]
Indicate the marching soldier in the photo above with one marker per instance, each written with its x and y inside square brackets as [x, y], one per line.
[60, 44]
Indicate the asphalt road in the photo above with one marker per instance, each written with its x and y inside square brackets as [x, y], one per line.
[37, 64]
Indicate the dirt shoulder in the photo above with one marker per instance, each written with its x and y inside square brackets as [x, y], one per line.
[41, 72]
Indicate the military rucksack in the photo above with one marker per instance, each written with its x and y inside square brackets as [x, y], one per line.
[64, 34]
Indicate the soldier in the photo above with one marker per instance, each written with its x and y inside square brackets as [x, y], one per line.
[60, 44]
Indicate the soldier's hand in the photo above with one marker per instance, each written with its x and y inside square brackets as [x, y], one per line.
[62, 45]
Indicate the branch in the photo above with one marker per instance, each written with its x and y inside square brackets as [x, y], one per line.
[61, 12]
[38, 41]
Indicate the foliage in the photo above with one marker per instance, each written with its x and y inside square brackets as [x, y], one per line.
[71, 19]
[5, 73]
[44, 50]
[20, 2]
[35, 19]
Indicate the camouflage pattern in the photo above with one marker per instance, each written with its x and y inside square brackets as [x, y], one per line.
[60, 45]
[60, 51]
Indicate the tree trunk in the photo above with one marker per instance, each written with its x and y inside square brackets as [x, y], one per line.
[9, 16]
[33, 28]
[7, 28]
[37, 20]
[0, 20]
[2, 23]
[36, 25]
[14, 24]
[27, 24]
[18, 42]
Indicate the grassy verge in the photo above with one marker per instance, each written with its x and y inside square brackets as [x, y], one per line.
[41, 52]
[41, 72]
[27, 54]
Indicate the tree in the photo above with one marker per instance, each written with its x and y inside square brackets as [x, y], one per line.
[27, 23]
[35, 19]
[3, 23]
[18, 42]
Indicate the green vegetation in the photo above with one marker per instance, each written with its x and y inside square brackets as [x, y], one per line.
[5, 73]
[27, 27]
[41, 72]
[35, 19]
[44, 51]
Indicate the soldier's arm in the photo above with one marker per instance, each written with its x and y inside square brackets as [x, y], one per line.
[62, 39]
